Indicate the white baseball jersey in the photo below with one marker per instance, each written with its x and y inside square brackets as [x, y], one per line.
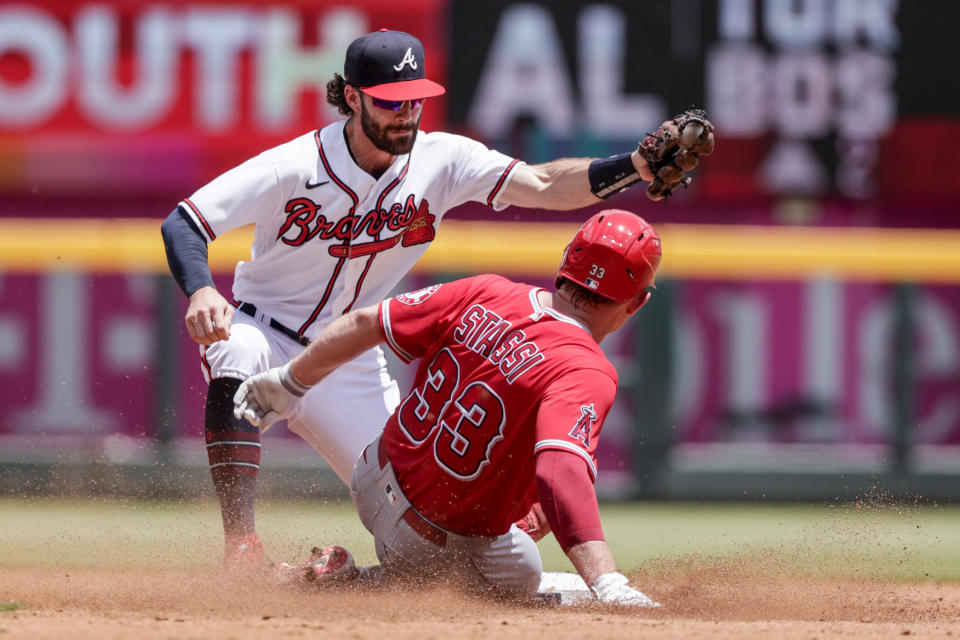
[328, 236]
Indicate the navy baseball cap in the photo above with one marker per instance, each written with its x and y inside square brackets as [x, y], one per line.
[389, 65]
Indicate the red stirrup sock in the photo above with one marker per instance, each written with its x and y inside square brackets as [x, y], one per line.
[233, 450]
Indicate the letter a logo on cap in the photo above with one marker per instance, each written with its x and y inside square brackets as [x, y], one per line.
[407, 59]
[389, 65]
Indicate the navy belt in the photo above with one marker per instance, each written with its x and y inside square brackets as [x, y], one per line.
[251, 310]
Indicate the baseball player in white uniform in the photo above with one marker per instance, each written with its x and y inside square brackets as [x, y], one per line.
[340, 215]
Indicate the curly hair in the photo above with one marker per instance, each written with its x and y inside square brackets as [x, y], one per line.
[335, 95]
[581, 297]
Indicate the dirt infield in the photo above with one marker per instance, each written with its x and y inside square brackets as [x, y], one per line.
[702, 600]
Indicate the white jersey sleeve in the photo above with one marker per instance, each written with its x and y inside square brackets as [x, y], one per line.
[246, 194]
[479, 173]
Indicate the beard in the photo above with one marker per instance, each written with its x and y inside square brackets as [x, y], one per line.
[380, 135]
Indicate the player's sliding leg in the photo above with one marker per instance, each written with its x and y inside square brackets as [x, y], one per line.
[508, 566]
[233, 450]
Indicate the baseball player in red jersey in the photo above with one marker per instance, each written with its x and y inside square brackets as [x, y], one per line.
[340, 215]
[505, 412]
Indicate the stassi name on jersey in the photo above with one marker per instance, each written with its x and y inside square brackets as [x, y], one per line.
[486, 333]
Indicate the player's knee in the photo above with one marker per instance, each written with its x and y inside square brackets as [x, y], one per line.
[244, 354]
[522, 580]
[529, 564]
[514, 566]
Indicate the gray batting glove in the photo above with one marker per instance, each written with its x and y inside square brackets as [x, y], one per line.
[612, 588]
[268, 397]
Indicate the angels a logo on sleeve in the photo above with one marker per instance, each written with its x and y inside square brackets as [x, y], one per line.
[416, 297]
[581, 430]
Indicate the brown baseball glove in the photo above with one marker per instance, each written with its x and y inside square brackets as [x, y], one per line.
[674, 149]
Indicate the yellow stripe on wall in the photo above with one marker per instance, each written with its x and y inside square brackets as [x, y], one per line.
[514, 248]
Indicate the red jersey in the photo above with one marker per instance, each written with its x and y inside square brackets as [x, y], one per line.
[501, 377]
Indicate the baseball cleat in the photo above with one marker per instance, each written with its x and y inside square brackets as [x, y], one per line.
[244, 553]
[330, 565]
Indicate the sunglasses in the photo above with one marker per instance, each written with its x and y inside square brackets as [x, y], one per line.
[395, 105]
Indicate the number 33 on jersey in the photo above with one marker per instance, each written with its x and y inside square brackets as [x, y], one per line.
[487, 349]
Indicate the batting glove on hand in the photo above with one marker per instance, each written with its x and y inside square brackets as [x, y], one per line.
[268, 397]
[612, 588]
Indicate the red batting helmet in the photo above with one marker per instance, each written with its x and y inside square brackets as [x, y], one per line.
[615, 254]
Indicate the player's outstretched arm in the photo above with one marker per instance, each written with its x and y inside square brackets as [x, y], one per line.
[569, 504]
[270, 396]
[567, 183]
[663, 158]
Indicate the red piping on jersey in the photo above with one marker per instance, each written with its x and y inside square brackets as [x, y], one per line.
[333, 176]
[500, 182]
[346, 244]
[360, 282]
[375, 245]
[323, 300]
[206, 365]
[395, 182]
[200, 217]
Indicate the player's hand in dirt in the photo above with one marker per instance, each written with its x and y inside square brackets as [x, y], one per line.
[209, 316]
[612, 588]
[268, 397]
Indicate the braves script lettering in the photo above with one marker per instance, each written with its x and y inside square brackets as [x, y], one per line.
[305, 222]
[486, 333]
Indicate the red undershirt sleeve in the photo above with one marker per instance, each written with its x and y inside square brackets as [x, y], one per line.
[567, 497]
